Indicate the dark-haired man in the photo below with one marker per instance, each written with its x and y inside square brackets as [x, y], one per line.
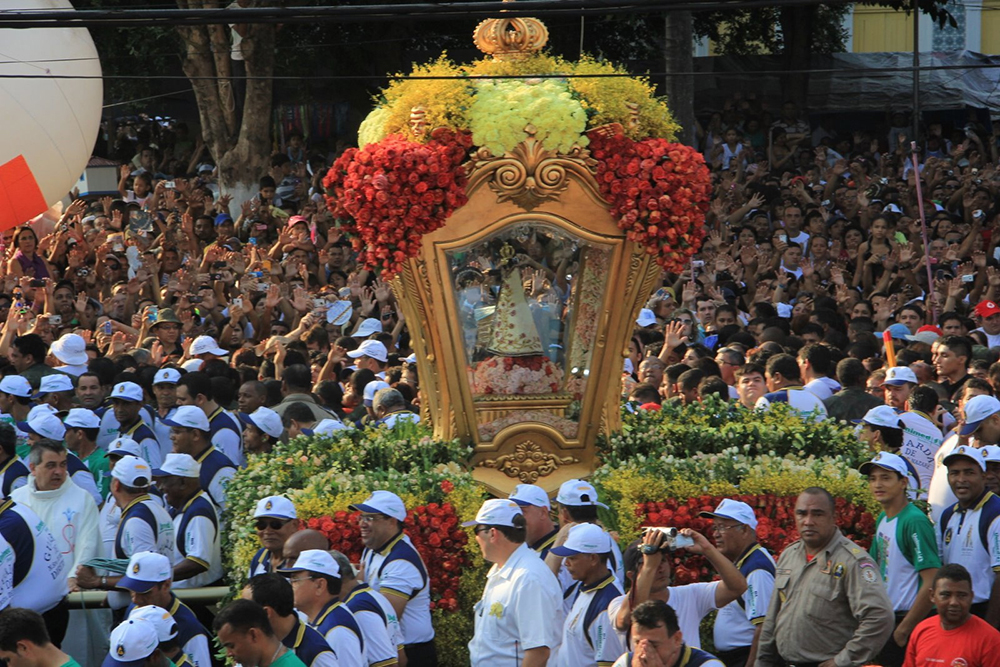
[814, 367]
[24, 642]
[27, 354]
[224, 430]
[657, 641]
[824, 578]
[951, 356]
[274, 594]
[245, 633]
[954, 636]
[852, 401]
[904, 548]
[785, 386]
[519, 616]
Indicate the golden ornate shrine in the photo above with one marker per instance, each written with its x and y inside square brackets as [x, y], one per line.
[522, 305]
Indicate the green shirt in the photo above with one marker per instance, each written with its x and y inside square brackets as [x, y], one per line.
[903, 546]
[97, 464]
[288, 660]
[71, 663]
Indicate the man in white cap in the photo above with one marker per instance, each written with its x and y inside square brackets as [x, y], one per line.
[588, 637]
[275, 520]
[882, 430]
[316, 586]
[189, 432]
[371, 354]
[578, 504]
[969, 532]
[393, 567]
[898, 385]
[13, 473]
[905, 549]
[540, 529]
[42, 425]
[206, 349]
[275, 595]
[144, 526]
[367, 327]
[262, 430]
[224, 432]
[166, 632]
[134, 643]
[736, 631]
[24, 642]
[15, 404]
[374, 614]
[165, 396]
[992, 468]
[39, 582]
[71, 350]
[68, 511]
[82, 427]
[57, 391]
[148, 581]
[126, 400]
[519, 618]
[198, 557]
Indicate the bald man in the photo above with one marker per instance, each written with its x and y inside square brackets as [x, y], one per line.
[303, 540]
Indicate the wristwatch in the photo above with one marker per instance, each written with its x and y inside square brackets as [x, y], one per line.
[648, 549]
[104, 583]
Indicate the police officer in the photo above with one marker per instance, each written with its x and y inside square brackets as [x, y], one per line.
[829, 607]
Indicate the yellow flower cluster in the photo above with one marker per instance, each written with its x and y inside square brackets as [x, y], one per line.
[450, 101]
[502, 110]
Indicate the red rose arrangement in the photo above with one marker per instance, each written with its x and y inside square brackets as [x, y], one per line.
[435, 532]
[775, 528]
[389, 194]
[659, 194]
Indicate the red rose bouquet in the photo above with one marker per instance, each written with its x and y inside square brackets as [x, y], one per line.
[389, 194]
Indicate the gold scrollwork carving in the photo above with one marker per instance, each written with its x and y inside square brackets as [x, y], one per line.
[531, 174]
[528, 462]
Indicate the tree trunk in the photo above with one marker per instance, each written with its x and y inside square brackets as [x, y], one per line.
[240, 152]
[797, 28]
[677, 56]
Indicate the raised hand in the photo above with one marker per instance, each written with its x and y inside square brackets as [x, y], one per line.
[674, 334]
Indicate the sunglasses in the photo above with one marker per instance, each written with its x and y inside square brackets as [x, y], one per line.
[273, 524]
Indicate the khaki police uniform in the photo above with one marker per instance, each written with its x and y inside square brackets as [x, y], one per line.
[832, 607]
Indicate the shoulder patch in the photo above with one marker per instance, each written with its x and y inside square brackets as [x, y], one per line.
[868, 574]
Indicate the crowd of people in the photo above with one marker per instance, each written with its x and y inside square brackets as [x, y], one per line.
[154, 342]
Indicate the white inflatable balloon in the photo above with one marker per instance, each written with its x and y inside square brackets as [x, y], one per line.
[48, 126]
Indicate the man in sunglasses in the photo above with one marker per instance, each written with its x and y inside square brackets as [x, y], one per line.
[275, 520]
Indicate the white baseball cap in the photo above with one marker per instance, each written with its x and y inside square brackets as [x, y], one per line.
[577, 492]
[53, 383]
[965, 451]
[367, 327]
[127, 391]
[992, 453]
[275, 507]
[70, 349]
[314, 560]
[82, 418]
[266, 419]
[39, 410]
[584, 538]
[188, 416]
[167, 376]
[206, 345]
[898, 375]
[132, 471]
[339, 313]
[145, 570]
[372, 387]
[159, 618]
[646, 318]
[371, 348]
[326, 427]
[46, 425]
[178, 465]
[15, 385]
[412, 359]
[124, 446]
[192, 365]
[882, 415]
[496, 512]
[132, 642]
[977, 410]
[735, 510]
[530, 495]
[888, 461]
[383, 502]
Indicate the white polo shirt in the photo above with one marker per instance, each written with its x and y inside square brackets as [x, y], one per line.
[904, 546]
[378, 623]
[971, 538]
[921, 441]
[6, 573]
[940, 495]
[589, 636]
[39, 575]
[736, 623]
[196, 538]
[691, 603]
[521, 609]
[397, 569]
[804, 402]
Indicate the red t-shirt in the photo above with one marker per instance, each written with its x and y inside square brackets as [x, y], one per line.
[975, 643]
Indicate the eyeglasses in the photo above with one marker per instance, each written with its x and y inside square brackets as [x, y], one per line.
[719, 529]
[369, 518]
[300, 579]
[482, 529]
[273, 524]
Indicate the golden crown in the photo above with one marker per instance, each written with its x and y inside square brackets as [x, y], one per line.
[510, 38]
